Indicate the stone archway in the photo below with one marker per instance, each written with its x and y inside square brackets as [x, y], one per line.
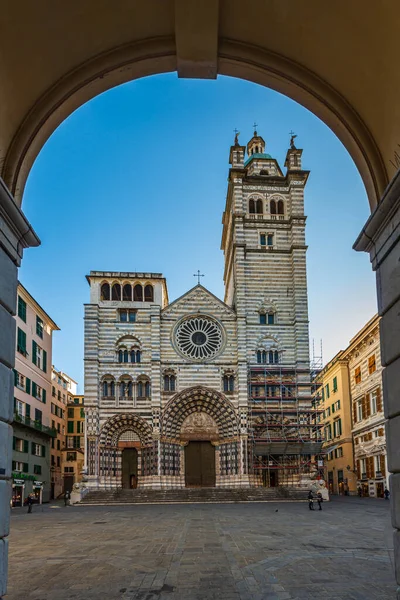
[122, 464]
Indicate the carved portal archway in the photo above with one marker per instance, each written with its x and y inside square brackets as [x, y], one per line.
[218, 410]
[114, 427]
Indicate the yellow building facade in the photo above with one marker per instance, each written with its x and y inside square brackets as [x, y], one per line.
[73, 453]
[335, 403]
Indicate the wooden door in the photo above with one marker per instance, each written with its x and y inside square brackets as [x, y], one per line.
[129, 468]
[199, 464]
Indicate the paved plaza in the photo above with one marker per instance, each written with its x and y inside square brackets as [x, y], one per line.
[268, 551]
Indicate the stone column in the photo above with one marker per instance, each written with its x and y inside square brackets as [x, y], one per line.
[381, 238]
[15, 235]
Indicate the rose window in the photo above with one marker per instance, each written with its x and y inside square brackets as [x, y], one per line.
[199, 338]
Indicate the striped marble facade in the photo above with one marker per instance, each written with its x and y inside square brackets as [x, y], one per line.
[129, 395]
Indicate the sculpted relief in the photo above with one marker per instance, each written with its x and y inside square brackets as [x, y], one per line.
[199, 426]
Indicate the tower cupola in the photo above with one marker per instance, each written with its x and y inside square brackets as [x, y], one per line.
[256, 145]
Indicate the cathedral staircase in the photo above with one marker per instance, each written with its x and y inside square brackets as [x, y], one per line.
[194, 495]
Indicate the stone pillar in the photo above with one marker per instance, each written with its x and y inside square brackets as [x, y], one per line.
[15, 235]
[381, 238]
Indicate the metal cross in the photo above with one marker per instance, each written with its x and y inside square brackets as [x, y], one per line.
[235, 131]
[255, 125]
[291, 132]
[198, 275]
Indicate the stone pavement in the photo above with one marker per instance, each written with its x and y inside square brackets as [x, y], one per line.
[268, 551]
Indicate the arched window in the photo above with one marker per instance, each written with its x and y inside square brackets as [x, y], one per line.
[280, 207]
[127, 293]
[263, 319]
[140, 389]
[105, 388]
[256, 149]
[271, 357]
[138, 293]
[147, 389]
[112, 389]
[259, 357]
[133, 356]
[252, 206]
[122, 388]
[125, 356]
[138, 356]
[120, 356]
[276, 357]
[264, 357]
[116, 292]
[148, 293]
[105, 291]
[271, 318]
[229, 383]
[259, 207]
[129, 389]
[273, 207]
[169, 383]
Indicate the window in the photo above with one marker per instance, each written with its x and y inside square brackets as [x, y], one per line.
[38, 392]
[229, 383]
[333, 408]
[263, 319]
[371, 364]
[127, 293]
[327, 393]
[68, 469]
[39, 327]
[135, 356]
[38, 449]
[80, 424]
[261, 357]
[38, 415]
[39, 356]
[263, 239]
[328, 432]
[360, 412]
[280, 207]
[271, 318]
[58, 444]
[53, 391]
[22, 309]
[70, 427]
[21, 341]
[58, 461]
[357, 374]
[252, 206]
[328, 411]
[335, 384]
[138, 293]
[374, 405]
[21, 382]
[105, 291]
[116, 292]
[337, 405]
[339, 452]
[71, 456]
[169, 383]
[19, 407]
[37, 469]
[270, 239]
[82, 413]
[337, 428]
[273, 207]
[70, 413]
[273, 357]
[20, 466]
[127, 315]
[148, 293]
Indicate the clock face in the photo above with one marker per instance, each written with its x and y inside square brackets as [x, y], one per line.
[198, 338]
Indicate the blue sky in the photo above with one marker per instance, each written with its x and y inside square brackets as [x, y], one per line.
[136, 180]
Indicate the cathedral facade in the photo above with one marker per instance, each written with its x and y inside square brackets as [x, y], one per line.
[204, 392]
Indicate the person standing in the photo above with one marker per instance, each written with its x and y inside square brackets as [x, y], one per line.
[386, 493]
[30, 503]
[67, 496]
[319, 500]
[310, 500]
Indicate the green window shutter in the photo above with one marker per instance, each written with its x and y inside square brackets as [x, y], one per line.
[34, 389]
[25, 467]
[34, 352]
[33, 447]
[26, 446]
[44, 451]
[44, 361]
[15, 377]
[15, 404]
[28, 385]
[70, 427]
[44, 396]
[14, 441]
[22, 309]
[28, 410]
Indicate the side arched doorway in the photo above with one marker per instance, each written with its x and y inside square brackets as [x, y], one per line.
[123, 455]
[200, 443]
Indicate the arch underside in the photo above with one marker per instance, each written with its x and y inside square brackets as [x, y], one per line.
[115, 426]
[201, 400]
[153, 56]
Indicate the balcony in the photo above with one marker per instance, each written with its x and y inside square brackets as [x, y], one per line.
[38, 425]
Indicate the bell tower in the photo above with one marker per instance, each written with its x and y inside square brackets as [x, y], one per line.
[263, 241]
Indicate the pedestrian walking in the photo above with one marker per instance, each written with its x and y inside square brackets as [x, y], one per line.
[319, 500]
[310, 500]
[67, 497]
[30, 503]
[359, 491]
[386, 493]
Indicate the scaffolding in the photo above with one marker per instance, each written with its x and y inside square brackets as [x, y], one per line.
[284, 425]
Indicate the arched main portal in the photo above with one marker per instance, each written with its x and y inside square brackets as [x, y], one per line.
[123, 455]
[200, 440]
